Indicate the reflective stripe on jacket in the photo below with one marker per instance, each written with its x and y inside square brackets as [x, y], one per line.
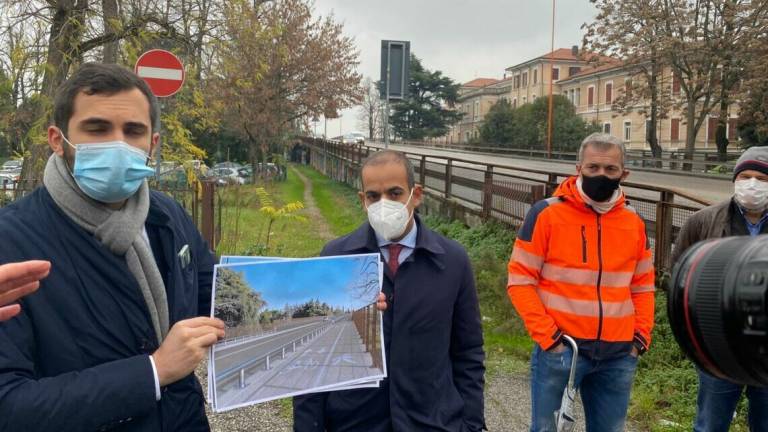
[584, 274]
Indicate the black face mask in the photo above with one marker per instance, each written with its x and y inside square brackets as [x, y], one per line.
[599, 188]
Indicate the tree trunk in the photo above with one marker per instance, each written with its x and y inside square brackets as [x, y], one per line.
[690, 133]
[111, 22]
[65, 38]
[721, 135]
[371, 117]
[653, 140]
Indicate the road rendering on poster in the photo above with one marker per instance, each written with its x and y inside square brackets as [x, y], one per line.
[295, 326]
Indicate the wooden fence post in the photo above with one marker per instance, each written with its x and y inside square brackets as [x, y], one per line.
[488, 192]
[663, 231]
[423, 171]
[448, 177]
[207, 228]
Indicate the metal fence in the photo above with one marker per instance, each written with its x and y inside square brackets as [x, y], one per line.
[506, 192]
[265, 359]
[367, 323]
[702, 161]
[199, 199]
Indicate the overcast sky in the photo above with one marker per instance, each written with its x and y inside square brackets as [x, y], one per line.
[465, 39]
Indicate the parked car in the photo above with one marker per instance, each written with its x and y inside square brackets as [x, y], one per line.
[348, 139]
[358, 136]
[8, 179]
[12, 165]
[226, 176]
[230, 165]
[246, 173]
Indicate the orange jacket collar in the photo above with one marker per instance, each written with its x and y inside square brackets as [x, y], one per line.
[570, 192]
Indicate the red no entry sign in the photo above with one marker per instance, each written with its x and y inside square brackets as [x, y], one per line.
[162, 70]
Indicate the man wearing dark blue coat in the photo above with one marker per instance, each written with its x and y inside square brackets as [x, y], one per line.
[432, 330]
[110, 339]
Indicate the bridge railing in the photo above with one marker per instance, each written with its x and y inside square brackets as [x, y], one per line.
[505, 192]
[702, 161]
[367, 323]
[240, 371]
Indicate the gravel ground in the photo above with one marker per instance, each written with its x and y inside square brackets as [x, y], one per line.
[508, 401]
[507, 409]
[266, 417]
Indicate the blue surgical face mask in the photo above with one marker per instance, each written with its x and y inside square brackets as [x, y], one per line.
[109, 172]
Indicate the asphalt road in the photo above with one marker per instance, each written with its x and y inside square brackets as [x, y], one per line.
[229, 356]
[712, 189]
[335, 356]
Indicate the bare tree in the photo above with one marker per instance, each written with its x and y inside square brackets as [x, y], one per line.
[370, 111]
[702, 41]
[277, 84]
[629, 30]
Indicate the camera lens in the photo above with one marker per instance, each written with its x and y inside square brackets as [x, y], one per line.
[717, 307]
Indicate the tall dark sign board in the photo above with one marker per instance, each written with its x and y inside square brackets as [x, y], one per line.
[395, 69]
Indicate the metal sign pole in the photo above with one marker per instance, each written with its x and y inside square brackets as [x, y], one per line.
[386, 105]
[159, 151]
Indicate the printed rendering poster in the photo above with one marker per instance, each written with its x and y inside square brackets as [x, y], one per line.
[294, 327]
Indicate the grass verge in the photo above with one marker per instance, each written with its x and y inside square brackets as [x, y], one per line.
[338, 203]
[244, 227]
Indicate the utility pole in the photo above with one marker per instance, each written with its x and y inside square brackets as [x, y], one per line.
[551, 84]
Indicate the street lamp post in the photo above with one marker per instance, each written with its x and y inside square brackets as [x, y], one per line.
[551, 83]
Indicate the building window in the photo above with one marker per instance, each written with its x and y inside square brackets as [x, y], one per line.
[608, 93]
[477, 110]
[590, 96]
[555, 74]
[627, 130]
[525, 79]
[525, 99]
[675, 84]
[628, 87]
[535, 76]
[648, 131]
[533, 98]
[711, 129]
[578, 96]
[607, 128]
[732, 129]
[674, 129]
[517, 81]
[514, 103]
[573, 70]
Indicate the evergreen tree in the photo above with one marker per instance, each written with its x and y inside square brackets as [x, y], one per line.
[236, 303]
[426, 112]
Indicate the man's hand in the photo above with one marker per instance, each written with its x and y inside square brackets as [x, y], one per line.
[381, 302]
[185, 347]
[635, 353]
[18, 280]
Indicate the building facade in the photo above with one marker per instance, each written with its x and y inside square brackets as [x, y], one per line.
[593, 91]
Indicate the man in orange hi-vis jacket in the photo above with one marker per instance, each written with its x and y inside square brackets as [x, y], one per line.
[582, 267]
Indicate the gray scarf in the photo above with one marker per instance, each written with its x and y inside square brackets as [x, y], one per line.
[121, 231]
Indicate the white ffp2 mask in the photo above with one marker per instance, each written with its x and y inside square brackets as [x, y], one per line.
[389, 218]
[752, 194]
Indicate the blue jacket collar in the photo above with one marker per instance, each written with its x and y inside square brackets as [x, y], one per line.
[158, 213]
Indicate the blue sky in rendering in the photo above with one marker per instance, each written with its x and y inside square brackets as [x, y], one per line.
[298, 281]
